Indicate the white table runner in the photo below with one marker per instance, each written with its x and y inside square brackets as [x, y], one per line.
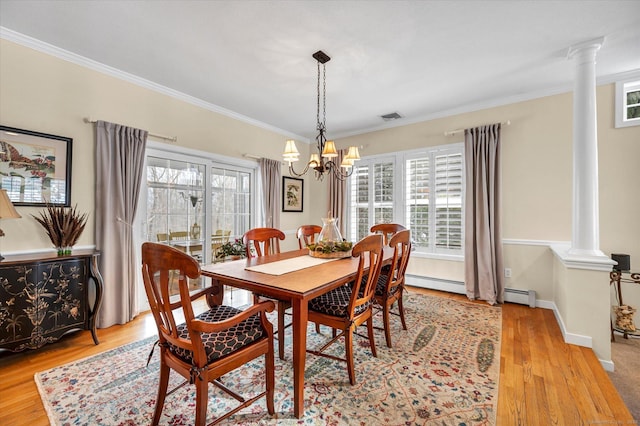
[288, 265]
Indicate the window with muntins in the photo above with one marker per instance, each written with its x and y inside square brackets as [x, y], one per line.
[628, 103]
[372, 194]
[421, 189]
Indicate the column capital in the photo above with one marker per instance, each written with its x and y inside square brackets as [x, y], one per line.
[590, 45]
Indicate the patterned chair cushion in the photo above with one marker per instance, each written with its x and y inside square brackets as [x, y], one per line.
[217, 345]
[381, 286]
[335, 302]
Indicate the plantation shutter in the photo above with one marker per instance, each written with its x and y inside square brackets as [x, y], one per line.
[418, 200]
[383, 174]
[448, 201]
[359, 203]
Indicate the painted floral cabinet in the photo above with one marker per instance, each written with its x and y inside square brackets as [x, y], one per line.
[44, 297]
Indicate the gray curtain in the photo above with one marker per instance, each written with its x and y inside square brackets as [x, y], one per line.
[271, 177]
[120, 153]
[337, 195]
[483, 237]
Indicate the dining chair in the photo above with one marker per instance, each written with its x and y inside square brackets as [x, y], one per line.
[208, 345]
[178, 235]
[162, 237]
[390, 286]
[307, 234]
[387, 230]
[351, 305]
[260, 242]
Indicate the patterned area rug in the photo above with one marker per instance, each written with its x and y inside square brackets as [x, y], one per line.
[443, 370]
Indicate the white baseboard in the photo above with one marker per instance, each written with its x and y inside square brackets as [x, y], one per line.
[513, 295]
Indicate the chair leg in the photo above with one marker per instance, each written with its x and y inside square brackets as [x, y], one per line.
[317, 328]
[372, 341]
[401, 308]
[270, 378]
[281, 309]
[348, 341]
[202, 397]
[163, 384]
[387, 326]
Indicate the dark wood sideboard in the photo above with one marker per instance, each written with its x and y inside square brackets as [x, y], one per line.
[43, 297]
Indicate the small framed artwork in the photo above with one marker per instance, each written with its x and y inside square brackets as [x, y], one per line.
[35, 168]
[292, 194]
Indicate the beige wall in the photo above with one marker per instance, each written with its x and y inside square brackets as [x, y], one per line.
[50, 95]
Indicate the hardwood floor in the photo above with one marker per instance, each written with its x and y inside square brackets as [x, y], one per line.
[543, 381]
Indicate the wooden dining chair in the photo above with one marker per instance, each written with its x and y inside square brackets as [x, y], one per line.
[208, 345]
[307, 234]
[260, 242]
[349, 306]
[390, 286]
[387, 230]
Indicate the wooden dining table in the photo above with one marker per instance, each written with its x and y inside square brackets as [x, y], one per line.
[298, 286]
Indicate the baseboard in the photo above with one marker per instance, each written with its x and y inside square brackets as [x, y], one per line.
[571, 338]
[512, 295]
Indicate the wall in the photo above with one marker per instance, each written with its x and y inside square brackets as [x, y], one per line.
[50, 95]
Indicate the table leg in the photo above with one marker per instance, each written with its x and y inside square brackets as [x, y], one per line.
[300, 317]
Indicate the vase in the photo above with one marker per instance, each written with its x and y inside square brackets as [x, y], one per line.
[330, 231]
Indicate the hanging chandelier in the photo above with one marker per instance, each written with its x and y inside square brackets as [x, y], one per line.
[324, 161]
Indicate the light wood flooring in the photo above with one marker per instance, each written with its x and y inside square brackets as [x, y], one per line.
[543, 381]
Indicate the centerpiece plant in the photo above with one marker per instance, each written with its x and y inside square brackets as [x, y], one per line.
[63, 225]
[235, 248]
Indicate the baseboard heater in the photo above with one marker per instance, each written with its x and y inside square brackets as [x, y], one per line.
[512, 295]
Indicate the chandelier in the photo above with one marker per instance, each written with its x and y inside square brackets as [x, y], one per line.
[324, 161]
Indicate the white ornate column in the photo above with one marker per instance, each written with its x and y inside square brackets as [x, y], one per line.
[585, 239]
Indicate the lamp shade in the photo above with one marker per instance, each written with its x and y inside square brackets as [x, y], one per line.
[7, 210]
[290, 151]
[314, 160]
[624, 261]
[353, 153]
[329, 150]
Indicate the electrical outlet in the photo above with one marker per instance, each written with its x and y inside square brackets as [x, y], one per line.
[507, 272]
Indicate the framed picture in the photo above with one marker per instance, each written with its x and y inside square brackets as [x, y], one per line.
[35, 168]
[292, 194]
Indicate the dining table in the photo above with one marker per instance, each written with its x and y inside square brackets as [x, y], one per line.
[293, 276]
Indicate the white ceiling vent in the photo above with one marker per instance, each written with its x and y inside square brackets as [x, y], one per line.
[391, 116]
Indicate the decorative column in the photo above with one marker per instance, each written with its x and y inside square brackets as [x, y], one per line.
[585, 239]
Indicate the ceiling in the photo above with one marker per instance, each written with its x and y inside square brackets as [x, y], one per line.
[421, 59]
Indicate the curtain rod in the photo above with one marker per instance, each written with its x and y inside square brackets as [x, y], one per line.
[453, 132]
[155, 135]
[257, 157]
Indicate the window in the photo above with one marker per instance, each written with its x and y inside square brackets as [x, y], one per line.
[192, 200]
[372, 195]
[433, 200]
[628, 103]
[421, 189]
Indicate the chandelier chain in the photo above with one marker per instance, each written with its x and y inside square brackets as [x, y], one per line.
[324, 95]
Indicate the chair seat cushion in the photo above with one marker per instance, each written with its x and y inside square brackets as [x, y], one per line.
[217, 345]
[381, 287]
[335, 302]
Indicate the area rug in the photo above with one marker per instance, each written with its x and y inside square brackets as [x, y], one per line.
[443, 370]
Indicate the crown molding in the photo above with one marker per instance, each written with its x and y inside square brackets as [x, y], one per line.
[65, 55]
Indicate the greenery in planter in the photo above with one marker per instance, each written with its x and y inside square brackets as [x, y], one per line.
[232, 248]
[63, 225]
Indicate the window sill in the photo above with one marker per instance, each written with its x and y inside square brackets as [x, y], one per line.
[438, 256]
